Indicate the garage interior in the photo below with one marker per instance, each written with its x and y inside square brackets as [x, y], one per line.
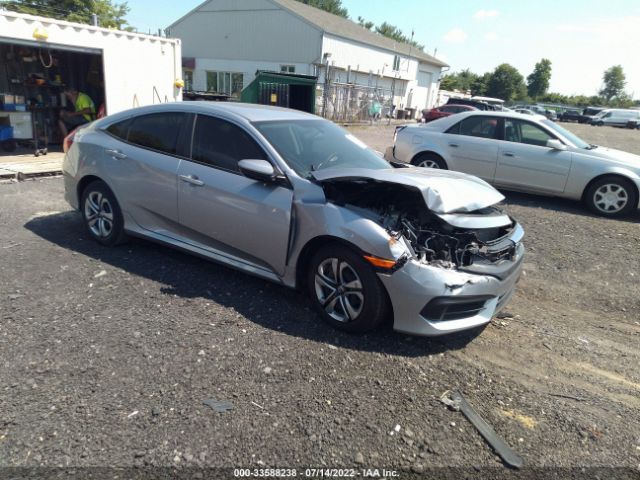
[32, 81]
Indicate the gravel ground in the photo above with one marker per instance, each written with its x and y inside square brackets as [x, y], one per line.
[107, 356]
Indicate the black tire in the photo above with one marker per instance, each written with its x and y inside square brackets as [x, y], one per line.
[98, 201]
[9, 145]
[372, 305]
[596, 202]
[429, 160]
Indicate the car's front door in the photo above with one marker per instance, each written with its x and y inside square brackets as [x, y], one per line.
[225, 211]
[526, 163]
[472, 147]
[143, 154]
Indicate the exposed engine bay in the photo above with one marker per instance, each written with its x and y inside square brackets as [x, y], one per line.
[401, 210]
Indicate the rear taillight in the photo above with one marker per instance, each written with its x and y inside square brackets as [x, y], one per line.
[68, 141]
[399, 128]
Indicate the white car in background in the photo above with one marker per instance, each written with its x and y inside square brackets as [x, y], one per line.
[524, 153]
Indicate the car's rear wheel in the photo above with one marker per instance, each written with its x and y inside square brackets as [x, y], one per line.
[611, 196]
[101, 214]
[429, 160]
[346, 290]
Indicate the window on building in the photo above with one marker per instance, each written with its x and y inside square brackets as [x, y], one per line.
[230, 83]
[222, 144]
[187, 77]
[288, 68]
[396, 63]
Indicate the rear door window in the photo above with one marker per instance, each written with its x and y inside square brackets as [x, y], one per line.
[120, 129]
[222, 144]
[157, 131]
[483, 127]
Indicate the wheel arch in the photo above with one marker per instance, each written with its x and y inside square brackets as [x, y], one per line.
[428, 152]
[86, 180]
[628, 178]
[310, 248]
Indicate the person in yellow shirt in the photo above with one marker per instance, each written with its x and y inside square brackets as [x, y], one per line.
[85, 111]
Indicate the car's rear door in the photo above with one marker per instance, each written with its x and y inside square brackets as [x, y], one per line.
[526, 163]
[143, 154]
[472, 146]
[225, 211]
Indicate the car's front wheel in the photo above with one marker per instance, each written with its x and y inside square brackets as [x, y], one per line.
[611, 196]
[429, 160]
[101, 214]
[346, 290]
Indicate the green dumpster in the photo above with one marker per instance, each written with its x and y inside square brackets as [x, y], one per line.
[287, 90]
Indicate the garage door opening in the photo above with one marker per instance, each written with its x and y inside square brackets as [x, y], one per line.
[33, 79]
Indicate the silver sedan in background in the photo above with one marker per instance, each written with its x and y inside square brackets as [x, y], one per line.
[523, 153]
[297, 200]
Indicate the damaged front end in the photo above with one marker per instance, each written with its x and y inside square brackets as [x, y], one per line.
[456, 256]
[447, 240]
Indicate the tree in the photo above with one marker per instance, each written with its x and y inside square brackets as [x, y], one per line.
[393, 32]
[463, 81]
[506, 83]
[614, 82]
[480, 85]
[110, 15]
[449, 82]
[331, 6]
[363, 23]
[538, 81]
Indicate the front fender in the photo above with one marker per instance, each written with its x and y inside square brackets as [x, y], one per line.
[329, 221]
[581, 175]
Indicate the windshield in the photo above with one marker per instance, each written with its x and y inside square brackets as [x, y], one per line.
[309, 145]
[577, 141]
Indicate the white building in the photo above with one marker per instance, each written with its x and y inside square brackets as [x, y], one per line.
[225, 42]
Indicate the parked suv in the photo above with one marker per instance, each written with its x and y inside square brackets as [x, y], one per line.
[588, 114]
[571, 115]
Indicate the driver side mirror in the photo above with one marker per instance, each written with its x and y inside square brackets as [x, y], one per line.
[260, 170]
[556, 144]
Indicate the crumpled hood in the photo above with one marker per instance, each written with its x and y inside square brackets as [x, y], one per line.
[443, 191]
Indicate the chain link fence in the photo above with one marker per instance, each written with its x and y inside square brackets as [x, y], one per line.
[349, 103]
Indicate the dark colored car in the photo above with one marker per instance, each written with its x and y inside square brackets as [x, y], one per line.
[588, 114]
[571, 116]
[477, 104]
[444, 111]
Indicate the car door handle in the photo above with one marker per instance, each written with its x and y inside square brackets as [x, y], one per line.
[508, 154]
[454, 145]
[117, 154]
[192, 179]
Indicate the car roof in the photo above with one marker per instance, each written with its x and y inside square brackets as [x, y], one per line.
[247, 111]
[444, 123]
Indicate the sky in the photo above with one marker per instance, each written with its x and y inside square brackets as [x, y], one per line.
[582, 38]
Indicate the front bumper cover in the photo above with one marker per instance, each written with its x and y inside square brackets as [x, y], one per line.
[415, 284]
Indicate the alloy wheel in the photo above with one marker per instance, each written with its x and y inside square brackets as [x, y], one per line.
[429, 164]
[98, 214]
[610, 198]
[339, 290]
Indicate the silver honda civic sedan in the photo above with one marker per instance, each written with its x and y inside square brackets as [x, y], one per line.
[297, 200]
